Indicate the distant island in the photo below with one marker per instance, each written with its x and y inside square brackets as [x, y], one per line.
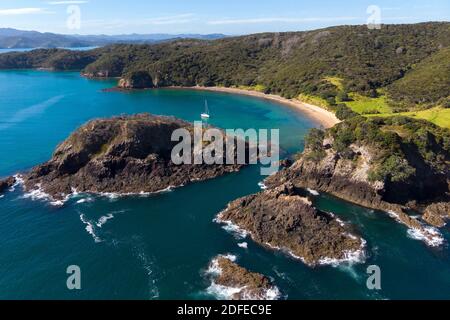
[20, 39]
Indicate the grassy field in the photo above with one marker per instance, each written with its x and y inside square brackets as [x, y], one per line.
[336, 81]
[315, 100]
[258, 87]
[438, 116]
[366, 105]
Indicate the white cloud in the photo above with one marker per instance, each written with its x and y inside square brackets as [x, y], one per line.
[279, 20]
[178, 19]
[22, 11]
[66, 2]
[157, 21]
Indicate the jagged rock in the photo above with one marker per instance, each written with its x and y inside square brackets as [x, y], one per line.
[436, 214]
[281, 219]
[7, 183]
[245, 285]
[127, 154]
[346, 175]
[136, 80]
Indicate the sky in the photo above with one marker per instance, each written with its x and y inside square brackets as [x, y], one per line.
[231, 17]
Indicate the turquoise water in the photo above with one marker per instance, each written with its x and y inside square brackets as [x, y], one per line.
[158, 247]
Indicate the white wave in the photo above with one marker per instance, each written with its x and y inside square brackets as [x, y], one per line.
[104, 219]
[39, 194]
[286, 251]
[85, 200]
[90, 228]
[168, 189]
[222, 292]
[262, 185]
[243, 245]
[341, 223]
[1, 196]
[313, 192]
[394, 215]
[432, 237]
[19, 182]
[214, 268]
[350, 257]
[116, 195]
[232, 228]
[226, 293]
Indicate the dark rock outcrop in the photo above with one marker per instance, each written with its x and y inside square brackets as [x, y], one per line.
[282, 219]
[247, 285]
[136, 80]
[347, 176]
[7, 183]
[127, 154]
[437, 214]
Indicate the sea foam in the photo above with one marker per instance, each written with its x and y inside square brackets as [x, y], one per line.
[430, 235]
[222, 292]
[313, 192]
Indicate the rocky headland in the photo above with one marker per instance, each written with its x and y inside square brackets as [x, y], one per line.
[281, 218]
[123, 155]
[393, 166]
[136, 80]
[231, 281]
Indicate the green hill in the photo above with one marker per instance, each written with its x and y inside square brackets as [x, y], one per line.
[427, 83]
[397, 68]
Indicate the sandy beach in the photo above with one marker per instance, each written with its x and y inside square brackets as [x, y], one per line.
[322, 116]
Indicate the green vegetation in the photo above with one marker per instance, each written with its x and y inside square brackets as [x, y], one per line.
[317, 101]
[439, 116]
[343, 112]
[399, 68]
[258, 88]
[425, 84]
[367, 105]
[314, 143]
[336, 81]
[401, 144]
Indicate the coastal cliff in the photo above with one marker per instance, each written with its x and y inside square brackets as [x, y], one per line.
[125, 155]
[281, 219]
[396, 165]
[136, 80]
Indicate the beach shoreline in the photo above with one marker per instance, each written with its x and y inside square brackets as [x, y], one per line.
[326, 118]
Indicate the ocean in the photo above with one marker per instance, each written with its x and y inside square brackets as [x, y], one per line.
[159, 246]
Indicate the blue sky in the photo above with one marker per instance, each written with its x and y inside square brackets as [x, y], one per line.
[209, 16]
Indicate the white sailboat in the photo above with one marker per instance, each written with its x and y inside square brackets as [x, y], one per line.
[205, 115]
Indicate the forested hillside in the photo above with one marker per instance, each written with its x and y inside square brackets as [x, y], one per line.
[397, 68]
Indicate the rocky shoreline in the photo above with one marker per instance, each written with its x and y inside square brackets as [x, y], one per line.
[279, 218]
[120, 155]
[6, 184]
[233, 282]
[346, 175]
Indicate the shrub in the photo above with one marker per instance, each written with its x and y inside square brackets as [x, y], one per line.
[343, 112]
